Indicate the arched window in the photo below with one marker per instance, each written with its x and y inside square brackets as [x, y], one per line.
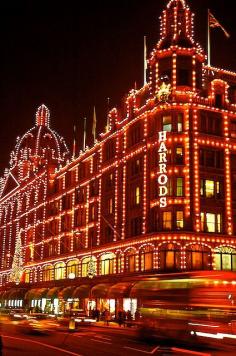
[146, 258]
[72, 268]
[107, 263]
[130, 261]
[27, 276]
[198, 257]
[59, 270]
[225, 258]
[86, 263]
[169, 257]
[47, 273]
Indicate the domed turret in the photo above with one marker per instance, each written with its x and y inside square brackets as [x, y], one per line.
[176, 25]
[176, 62]
[39, 146]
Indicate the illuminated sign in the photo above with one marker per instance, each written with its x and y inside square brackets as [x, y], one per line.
[162, 173]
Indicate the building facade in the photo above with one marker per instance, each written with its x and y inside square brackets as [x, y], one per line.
[155, 194]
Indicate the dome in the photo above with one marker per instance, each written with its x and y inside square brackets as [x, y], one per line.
[40, 145]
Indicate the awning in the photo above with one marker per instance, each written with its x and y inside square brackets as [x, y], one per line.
[36, 293]
[66, 293]
[2, 292]
[6, 294]
[16, 294]
[81, 291]
[53, 293]
[100, 290]
[120, 290]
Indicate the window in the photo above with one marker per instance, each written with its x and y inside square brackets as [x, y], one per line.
[137, 196]
[136, 167]
[233, 129]
[130, 261]
[167, 123]
[211, 123]
[92, 216]
[72, 268]
[27, 276]
[170, 187]
[211, 158]
[179, 187]
[210, 188]
[109, 181]
[135, 134]
[107, 263]
[183, 77]
[146, 258]
[136, 226]
[167, 220]
[169, 257]
[180, 122]
[110, 206]
[211, 222]
[225, 259]
[109, 149]
[179, 219]
[59, 271]
[179, 155]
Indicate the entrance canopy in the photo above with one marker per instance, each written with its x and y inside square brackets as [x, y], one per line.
[82, 291]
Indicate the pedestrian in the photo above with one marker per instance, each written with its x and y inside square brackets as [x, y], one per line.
[129, 318]
[106, 317]
[97, 314]
[120, 317]
[137, 315]
[124, 316]
[1, 346]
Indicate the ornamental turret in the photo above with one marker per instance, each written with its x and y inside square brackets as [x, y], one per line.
[177, 59]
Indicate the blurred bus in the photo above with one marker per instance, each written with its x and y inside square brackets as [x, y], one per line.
[189, 307]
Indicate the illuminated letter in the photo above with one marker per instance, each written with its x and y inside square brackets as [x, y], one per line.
[162, 147]
[163, 202]
[162, 179]
[162, 168]
[162, 136]
[162, 157]
[162, 191]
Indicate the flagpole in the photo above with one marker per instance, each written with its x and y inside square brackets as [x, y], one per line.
[84, 143]
[208, 39]
[145, 62]
[108, 108]
[74, 141]
[94, 124]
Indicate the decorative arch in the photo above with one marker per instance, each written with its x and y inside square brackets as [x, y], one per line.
[59, 270]
[146, 257]
[107, 263]
[47, 272]
[130, 259]
[85, 264]
[72, 267]
[198, 256]
[170, 256]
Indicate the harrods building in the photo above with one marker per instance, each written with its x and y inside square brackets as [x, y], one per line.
[155, 194]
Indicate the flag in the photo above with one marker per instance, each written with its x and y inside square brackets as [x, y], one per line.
[214, 23]
[94, 124]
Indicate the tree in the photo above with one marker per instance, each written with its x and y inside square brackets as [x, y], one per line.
[17, 264]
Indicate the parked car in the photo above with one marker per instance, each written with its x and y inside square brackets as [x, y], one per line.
[18, 314]
[39, 323]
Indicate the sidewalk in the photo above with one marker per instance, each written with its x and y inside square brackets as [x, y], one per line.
[114, 325]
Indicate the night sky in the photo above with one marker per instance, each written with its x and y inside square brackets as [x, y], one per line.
[72, 55]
